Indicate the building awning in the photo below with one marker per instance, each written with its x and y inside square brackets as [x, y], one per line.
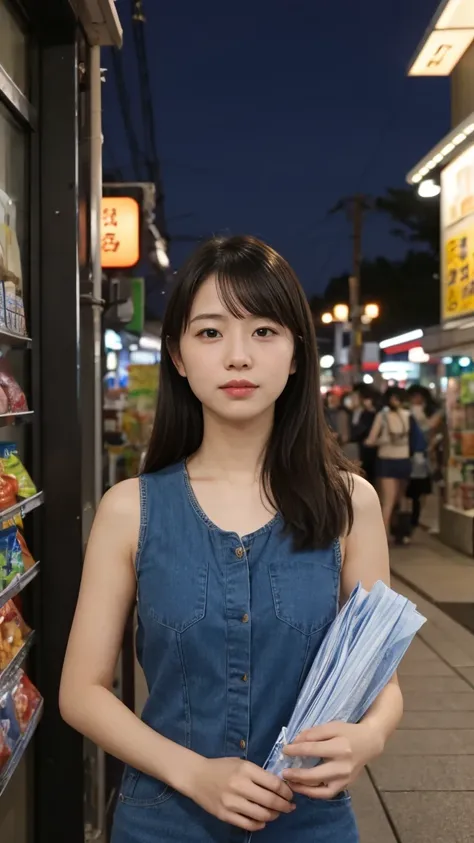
[448, 148]
[100, 21]
[449, 35]
[452, 337]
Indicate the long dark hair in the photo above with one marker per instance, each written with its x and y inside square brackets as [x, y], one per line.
[305, 475]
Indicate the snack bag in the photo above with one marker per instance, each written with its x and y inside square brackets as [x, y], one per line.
[26, 699]
[11, 556]
[5, 751]
[9, 726]
[28, 559]
[17, 402]
[11, 465]
[13, 632]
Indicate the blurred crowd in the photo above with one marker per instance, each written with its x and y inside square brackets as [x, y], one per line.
[396, 440]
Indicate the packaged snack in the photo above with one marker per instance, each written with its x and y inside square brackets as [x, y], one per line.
[28, 559]
[8, 490]
[16, 397]
[13, 632]
[11, 556]
[26, 699]
[11, 464]
[9, 724]
[5, 751]
[4, 405]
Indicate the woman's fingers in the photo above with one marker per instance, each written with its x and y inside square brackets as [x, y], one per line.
[322, 774]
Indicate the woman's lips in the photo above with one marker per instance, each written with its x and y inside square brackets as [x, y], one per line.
[239, 389]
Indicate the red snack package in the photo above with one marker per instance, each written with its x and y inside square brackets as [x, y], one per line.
[15, 395]
[26, 698]
[8, 491]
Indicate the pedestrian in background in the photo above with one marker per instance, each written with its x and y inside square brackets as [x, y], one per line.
[363, 411]
[392, 435]
[429, 418]
[337, 417]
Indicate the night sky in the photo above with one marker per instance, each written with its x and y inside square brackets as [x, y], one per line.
[267, 113]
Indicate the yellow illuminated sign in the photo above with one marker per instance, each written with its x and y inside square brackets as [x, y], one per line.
[120, 232]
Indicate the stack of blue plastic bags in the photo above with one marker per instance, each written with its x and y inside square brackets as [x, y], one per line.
[359, 655]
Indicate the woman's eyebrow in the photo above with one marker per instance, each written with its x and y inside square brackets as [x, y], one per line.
[205, 316]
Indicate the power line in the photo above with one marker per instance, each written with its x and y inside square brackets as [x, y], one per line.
[125, 109]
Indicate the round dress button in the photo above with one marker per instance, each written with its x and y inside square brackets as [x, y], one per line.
[239, 552]
[243, 744]
[245, 618]
[244, 677]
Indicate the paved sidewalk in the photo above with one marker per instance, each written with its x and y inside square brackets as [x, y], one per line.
[422, 789]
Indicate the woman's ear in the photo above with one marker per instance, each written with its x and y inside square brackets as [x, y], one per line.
[175, 354]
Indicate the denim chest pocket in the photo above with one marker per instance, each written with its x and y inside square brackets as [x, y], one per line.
[305, 590]
[173, 592]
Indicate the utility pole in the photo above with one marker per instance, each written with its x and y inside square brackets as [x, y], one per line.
[358, 205]
[355, 207]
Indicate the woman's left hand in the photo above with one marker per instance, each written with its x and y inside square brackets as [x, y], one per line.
[345, 749]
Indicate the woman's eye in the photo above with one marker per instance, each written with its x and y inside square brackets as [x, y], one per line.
[209, 333]
[265, 332]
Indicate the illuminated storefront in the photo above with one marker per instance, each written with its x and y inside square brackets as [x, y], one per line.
[448, 170]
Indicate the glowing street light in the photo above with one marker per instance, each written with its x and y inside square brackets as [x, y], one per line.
[341, 313]
[372, 311]
[326, 318]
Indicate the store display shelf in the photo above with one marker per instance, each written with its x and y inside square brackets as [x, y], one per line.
[9, 673]
[22, 508]
[18, 584]
[9, 419]
[20, 749]
[14, 340]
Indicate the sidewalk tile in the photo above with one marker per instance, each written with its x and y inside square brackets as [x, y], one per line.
[431, 772]
[448, 583]
[431, 742]
[438, 720]
[468, 673]
[430, 667]
[431, 817]
[420, 701]
[443, 684]
[373, 824]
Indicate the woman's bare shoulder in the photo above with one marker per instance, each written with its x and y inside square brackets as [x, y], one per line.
[122, 500]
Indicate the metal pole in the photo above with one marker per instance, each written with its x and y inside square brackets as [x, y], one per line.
[354, 290]
[96, 267]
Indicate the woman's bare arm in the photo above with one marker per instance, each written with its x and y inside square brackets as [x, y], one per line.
[107, 596]
[366, 560]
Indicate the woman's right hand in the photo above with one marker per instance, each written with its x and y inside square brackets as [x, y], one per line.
[240, 793]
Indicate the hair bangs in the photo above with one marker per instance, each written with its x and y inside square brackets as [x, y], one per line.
[251, 292]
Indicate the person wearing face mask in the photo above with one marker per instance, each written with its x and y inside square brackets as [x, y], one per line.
[428, 417]
[363, 412]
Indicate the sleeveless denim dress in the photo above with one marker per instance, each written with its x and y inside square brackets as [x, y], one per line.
[228, 628]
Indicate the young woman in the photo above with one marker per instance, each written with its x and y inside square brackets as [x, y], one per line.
[390, 434]
[240, 541]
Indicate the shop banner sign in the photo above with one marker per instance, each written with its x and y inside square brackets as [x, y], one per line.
[120, 232]
[457, 233]
[135, 326]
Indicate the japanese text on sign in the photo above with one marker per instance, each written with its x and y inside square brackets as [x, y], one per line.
[458, 288]
[120, 232]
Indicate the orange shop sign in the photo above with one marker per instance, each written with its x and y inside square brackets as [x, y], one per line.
[120, 232]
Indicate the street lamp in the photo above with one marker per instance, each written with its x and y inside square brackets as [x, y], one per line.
[341, 313]
[372, 311]
[327, 318]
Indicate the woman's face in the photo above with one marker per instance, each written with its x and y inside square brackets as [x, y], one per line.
[237, 368]
[395, 402]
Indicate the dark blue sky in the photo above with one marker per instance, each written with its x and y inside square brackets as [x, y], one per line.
[268, 112]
